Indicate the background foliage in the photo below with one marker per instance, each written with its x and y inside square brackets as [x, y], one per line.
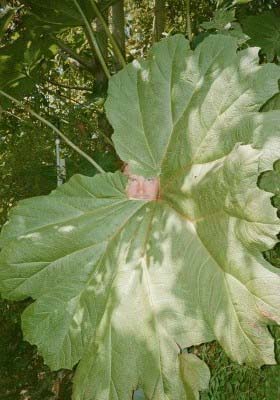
[47, 60]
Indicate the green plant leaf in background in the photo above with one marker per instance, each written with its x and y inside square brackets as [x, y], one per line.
[20, 59]
[220, 19]
[236, 31]
[6, 17]
[20, 63]
[234, 3]
[270, 181]
[241, 2]
[264, 31]
[120, 284]
[224, 23]
[63, 14]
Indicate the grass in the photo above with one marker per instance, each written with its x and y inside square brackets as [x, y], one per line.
[231, 381]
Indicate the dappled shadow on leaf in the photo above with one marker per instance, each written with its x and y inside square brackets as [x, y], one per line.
[122, 285]
[123, 307]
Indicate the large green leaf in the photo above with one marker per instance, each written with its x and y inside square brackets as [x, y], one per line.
[120, 284]
[184, 107]
[195, 373]
[264, 31]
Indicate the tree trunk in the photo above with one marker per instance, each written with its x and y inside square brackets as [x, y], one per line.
[118, 23]
[159, 19]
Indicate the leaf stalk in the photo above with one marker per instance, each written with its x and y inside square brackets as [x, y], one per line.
[189, 24]
[56, 130]
[93, 40]
[111, 37]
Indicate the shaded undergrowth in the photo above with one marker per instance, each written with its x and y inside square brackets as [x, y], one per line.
[23, 375]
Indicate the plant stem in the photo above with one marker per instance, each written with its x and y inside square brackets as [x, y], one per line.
[72, 54]
[189, 25]
[115, 45]
[107, 139]
[159, 19]
[56, 130]
[118, 28]
[93, 40]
